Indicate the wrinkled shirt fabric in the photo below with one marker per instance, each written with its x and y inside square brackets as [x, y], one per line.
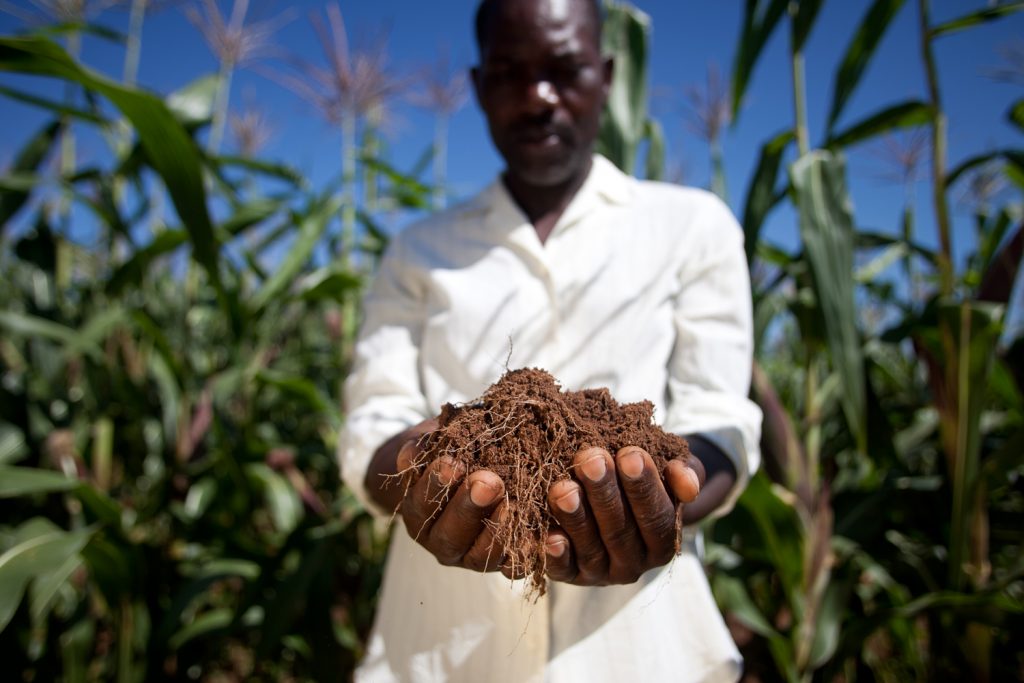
[641, 287]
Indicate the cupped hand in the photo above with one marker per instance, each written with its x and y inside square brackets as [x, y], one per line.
[617, 519]
[451, 514]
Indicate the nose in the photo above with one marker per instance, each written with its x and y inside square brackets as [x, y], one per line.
[541, 95]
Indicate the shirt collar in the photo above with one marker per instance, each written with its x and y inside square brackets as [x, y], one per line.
[605, 185]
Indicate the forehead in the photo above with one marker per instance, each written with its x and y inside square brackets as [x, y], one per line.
[539, 27]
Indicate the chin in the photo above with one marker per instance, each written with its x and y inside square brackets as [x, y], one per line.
[548, 174]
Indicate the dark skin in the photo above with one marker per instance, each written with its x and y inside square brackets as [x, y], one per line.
[542, 83]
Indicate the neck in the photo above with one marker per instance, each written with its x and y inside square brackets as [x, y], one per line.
[544, 205]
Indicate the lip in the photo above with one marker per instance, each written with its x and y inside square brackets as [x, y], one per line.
[539, 139]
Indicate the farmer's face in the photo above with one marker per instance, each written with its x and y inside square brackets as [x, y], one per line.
[542, 83]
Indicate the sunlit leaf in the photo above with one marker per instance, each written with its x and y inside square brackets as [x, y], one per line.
[655, 161]
[732, 597]
[193, 104]
[30, 558]
[12, 444]
[858, 54]
[826, 228]
[329, 283]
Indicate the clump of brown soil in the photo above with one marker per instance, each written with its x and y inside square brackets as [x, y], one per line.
[526, 430]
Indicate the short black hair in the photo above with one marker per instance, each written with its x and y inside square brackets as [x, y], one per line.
[485, 10]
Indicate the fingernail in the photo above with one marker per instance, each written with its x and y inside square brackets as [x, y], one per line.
[631, 464]
[555, 547]
[570, 502]
[694, 479]
[482, 494]
[447, 471]
[594, 468]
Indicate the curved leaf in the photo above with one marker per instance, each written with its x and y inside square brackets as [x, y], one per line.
[1015, 156]
[826, 228]
[975, 18]
[759, 23]
[903, 115]
[59, 108]
[859, 53]
[170, 150]
[24, 481]
[28, 161]
[282, 500]
[803, 22]
[30, 558]
[312, 227]
[762, 196]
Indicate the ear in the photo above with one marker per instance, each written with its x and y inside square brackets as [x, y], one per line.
[474, 78]
[608, 72]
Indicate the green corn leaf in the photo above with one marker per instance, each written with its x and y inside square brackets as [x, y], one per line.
[58, 108]
[301, 388]
[205, 624]
[655, 161]
[24, 481]
[761, 195]
[876, 266]
[132, 272]
[329, 283]
[43, 590]
[311, 228]
[199, 497]
[826, 228]
[1013, 156]
[30, 558]
[829, 620]
[12, 444]
[71, 27]
[282, 499]
[1016, 114]
[774, 532]
[974, 18]
[759, 22]
[858, 54]
[733, 598]
[904, 115]
[266, 168]
[28, 161]
[170, 150]
[976, 328]
[193, 104]
[803, 22]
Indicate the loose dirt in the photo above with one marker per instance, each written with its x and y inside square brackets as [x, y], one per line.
[526, 430]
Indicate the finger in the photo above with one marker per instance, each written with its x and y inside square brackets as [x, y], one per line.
[457, 528]
[486, 555]
[427, 497]
[683, 481]
[650, 503]
[566, 500]
[560, 563]
[407, 455]
[619, 533]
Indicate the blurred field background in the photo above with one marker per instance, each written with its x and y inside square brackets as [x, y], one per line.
[181, 287]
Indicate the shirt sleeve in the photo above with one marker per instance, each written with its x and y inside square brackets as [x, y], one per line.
[710, 366]
[382, 393]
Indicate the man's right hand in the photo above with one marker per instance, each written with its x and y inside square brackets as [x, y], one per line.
[450, 514]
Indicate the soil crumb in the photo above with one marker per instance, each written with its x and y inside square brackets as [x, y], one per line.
[526, 430]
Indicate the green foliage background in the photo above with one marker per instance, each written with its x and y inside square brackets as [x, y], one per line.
[171, 508]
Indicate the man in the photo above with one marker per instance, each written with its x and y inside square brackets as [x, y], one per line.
[603, 281]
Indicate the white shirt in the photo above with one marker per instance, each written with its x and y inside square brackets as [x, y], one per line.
[641, 287]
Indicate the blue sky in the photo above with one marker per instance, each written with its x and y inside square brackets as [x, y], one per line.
[687, 37]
